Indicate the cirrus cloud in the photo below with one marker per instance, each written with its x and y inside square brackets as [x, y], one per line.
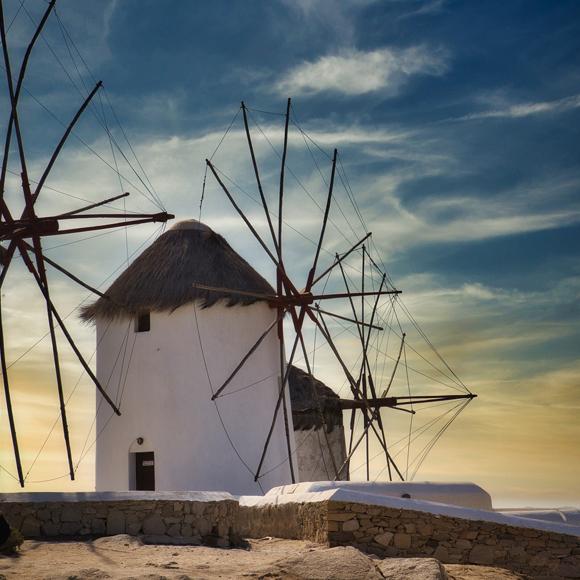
[357, 72]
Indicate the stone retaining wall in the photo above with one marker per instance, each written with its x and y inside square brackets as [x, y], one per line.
[405, 533]
[303, 521]
[385, 531]
[160, 521]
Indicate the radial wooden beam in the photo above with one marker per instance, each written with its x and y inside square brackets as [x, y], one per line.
[385, 392]
[394, 402]
[245, 358]
[354, 387]
[21, 75]
[365, 370]
[258, 180]
[72, 343]
[240, 212]
[70, 275]
[92, 205]
[319, 407]
[340, 258]
[347, 319]
[14, 112]
[8, 399]
[63, 140]
[282, 175]
[42, 281]
[281, 395]
[312, 272]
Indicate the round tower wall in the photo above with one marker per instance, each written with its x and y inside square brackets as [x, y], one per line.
[159, 378]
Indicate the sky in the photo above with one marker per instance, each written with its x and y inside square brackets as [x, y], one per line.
[457, 125]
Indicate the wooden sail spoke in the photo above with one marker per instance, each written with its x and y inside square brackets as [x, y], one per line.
[340, 258]
[245, 358]
[345, 318]
[312, 272]
[70, 275]
[318, 404]
[93, 205]
[15, 93]
[69, 337]
[8, 399]
[241, 213]
[63, 140]
[259, 181]
[39, 273]
[281, 395]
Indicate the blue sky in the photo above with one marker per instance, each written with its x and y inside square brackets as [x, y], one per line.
[458, 124]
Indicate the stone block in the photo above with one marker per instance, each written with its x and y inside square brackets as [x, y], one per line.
[416, 568]
[481, 554]
[402, 541]
[71, 513]
[384, 539]
[358, 508]
[43, 515]
[70, 528]
[98, 526]
[186, 531]
[133, 529]
[30, 528]
[569, 568]
[153, 525]
[463, 544]
[115, 523]
[174, 530]
[339, 517]
[350, 526]
[50, 529]
[441, 554]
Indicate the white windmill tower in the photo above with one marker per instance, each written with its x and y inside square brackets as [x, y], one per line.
[160, 344]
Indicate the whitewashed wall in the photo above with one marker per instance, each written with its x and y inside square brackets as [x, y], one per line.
[167, 400]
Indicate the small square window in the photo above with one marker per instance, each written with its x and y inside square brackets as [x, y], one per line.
[143, 322]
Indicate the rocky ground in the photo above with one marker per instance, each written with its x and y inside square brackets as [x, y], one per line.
[126, 557]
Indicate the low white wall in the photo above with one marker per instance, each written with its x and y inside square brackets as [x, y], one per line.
[466, 495]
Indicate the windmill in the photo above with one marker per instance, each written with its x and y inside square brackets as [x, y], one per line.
[25, 234]
[304, 302]
[297, 304]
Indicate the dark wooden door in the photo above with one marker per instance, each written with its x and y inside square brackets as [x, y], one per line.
[145, 471]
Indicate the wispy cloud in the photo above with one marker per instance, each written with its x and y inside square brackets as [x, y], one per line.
[355, 72]
[527, 109]
[425, 9]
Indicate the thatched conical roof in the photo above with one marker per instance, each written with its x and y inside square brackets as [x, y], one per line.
[162, 277]
[305, 411]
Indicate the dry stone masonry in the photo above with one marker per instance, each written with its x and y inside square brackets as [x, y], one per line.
[158, 521]
[222, 521]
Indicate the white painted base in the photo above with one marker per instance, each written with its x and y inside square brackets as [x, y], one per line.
[165, 399]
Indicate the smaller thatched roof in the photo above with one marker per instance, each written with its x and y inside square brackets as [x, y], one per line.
[305, 412]
[162, 278]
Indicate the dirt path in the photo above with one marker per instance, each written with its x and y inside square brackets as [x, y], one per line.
[123, 557]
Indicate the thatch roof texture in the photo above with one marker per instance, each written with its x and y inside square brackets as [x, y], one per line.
[162, 278]
[305, 410]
